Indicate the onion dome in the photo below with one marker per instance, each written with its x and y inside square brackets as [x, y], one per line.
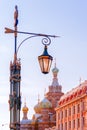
[25, 108]
[37, 108]
[45, 103]
[55, 70]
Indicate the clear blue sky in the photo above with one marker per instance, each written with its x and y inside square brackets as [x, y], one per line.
[66, 18]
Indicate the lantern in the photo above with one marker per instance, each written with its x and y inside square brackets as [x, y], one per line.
[45, 61]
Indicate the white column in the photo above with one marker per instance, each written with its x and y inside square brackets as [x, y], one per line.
[81, 117]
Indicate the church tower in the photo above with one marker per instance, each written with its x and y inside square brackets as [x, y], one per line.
[55, 89]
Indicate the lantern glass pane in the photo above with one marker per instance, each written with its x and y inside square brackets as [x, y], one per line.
[45, 61]
[46, 65]
[41, 64]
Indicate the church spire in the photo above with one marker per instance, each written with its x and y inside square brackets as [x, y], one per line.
[55, 87]
[55, 70]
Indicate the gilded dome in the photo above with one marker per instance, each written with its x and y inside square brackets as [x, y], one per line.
[25, 108]
[45, 103]
[37, 108]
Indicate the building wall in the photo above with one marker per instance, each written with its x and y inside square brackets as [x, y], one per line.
[71, 114]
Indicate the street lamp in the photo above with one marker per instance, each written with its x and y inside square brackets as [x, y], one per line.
[45, 61]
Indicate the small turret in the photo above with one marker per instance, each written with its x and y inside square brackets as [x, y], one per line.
[55, 71]
[55, 87]
[25, 111]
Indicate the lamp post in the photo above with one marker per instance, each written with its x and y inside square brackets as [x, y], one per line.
[45, 61]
